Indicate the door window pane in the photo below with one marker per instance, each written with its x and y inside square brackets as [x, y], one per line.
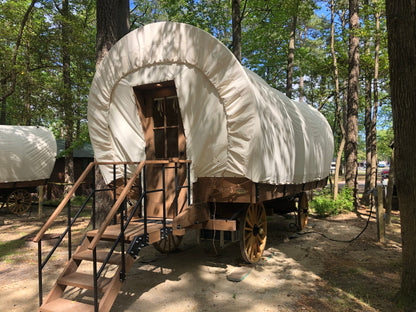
[158, 112]
[172, 111]
[172, 140]
[159, 143]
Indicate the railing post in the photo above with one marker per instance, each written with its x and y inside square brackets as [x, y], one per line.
[176, 188]
[93, 215]
[125, 183]
[164, 198]
[145, 200]
[69, 231]
[94, 268]
[141, 191]
[122, 213]
[114, 191]
[188, 168]
[40, 272]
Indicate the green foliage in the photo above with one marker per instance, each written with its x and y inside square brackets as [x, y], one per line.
[324, 205]
[266, 26]
[384, 140]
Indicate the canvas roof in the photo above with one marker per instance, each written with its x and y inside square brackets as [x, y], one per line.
[235, 124]
[27, 153]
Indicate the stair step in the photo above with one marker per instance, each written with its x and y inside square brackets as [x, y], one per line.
[85, 281]
[64, 305]
[133, 229]
[101, 255]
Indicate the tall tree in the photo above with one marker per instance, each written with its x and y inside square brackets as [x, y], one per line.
[401, 25]
[353, 99]
[338, 118]
[67, 99]
[374, 155]
[9, 78]
[236, 24]
[112, 24]
[291, 51]
[368, 105]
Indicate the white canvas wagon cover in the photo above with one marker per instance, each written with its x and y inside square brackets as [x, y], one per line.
[235, 124]
[27, 153]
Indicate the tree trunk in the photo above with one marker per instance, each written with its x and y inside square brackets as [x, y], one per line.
[338, 119]
[291, 58]
[401, 25]
[375, 103]
[68, 105]
[301, 75]
[390, 188]
[236, 24]
[367, 119]
[112, 24]
[353, 101]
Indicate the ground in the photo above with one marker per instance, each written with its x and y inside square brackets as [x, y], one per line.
[299, 272]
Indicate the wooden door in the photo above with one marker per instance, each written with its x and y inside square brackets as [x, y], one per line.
[165, 140]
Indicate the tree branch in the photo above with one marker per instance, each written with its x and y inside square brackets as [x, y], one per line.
[13, 74]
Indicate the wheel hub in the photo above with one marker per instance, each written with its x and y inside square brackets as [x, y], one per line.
[256, 230]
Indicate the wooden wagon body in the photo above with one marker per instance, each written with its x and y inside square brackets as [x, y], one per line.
[193, 140]
[27, 158]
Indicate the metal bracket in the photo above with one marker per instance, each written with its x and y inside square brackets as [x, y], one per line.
[164, 232]
[137, 244]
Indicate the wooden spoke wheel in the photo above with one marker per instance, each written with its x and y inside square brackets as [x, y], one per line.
[19, 201]
[168, 244]
[302, 211]
[253, 232]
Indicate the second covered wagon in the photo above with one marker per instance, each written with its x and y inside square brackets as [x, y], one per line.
[27, 158]
[170, 91]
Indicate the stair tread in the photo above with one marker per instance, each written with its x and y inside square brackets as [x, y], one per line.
[133, 229]
[101, 256]
[65, 305]
[84, 280]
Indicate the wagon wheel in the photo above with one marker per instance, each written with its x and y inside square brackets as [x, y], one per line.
[253, 232]
[302, 213]
[168, 244]
[19, 201]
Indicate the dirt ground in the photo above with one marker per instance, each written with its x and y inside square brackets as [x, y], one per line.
[299, 272]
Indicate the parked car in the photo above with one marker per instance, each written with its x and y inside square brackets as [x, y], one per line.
[385, 173]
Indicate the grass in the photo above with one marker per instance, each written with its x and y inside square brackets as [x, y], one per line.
[324, 205]
[10, 248]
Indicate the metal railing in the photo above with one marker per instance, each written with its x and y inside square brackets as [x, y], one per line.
[140, 174]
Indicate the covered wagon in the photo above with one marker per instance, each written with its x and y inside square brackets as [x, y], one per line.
[27, 158]
[192, 140]
[172, 91]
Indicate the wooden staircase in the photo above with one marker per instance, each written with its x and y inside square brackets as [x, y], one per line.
[107, 286]
[72, 277]
[95, 272]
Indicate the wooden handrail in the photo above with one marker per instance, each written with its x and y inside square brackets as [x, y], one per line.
[58, 209]
[115, 207]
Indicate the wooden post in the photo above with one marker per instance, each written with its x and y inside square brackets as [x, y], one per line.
[40, 203]
[380, 215]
